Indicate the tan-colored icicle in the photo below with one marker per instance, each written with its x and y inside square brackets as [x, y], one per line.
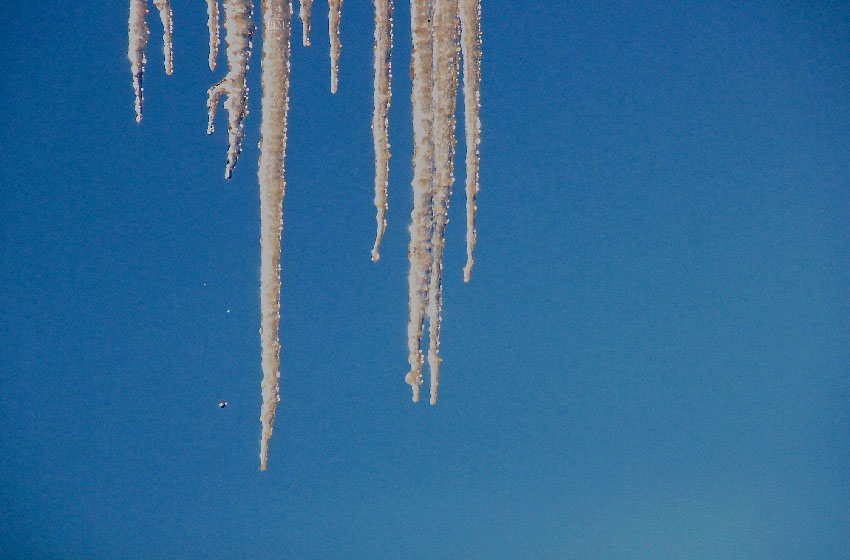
[212, 25]
[164, 7]
[137, 41]
[304, 14]
[334, 13]
[445, 96]
[470, 25]
[240, 29]
[381, 98]
[419, 252]
[275, 80]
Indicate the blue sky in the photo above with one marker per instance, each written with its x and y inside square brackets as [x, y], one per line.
[650, 362]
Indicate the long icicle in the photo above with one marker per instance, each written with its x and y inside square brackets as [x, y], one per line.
[164, 7]
[212, 25]
[381, 97]
[240, 29]
[304, 14]
[470, 24]
[419, 252]
[445, 96]
[137, 41]
[334, 13]
[275, 80]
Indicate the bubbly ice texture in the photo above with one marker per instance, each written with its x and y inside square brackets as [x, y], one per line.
[445, 96]
[240, 30]
[381, 105]
[470, 26]
[277, 16]
[212, 26]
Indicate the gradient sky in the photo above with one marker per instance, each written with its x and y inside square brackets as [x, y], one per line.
[651, 361]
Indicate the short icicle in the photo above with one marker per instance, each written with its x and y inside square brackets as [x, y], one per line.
[164, 7]
[212, 26]
[334, 13]
[137, 41]
[240, 29]
[304, 14]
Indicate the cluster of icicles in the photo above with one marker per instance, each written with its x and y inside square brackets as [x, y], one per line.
[441, 31]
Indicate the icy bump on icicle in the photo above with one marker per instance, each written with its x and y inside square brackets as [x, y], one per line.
[470, 21]
[277, 16]
[137, 41]
[381, 104]
[304, 15]
[446, 47]
[419, 252]
[212, 26]
[164, 8]
[334, 13]
[239, 30]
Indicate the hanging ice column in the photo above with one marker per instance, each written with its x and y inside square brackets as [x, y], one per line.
[334, 13]
[470, 22]
[445, 95]
[212, 26]
[240, 29]
[419, 250]
[277, 15]
[138, 35]
[381, 100]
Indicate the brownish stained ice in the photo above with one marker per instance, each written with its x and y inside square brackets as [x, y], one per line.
[470, 26]
[445, 96]
[419, 250]
[275, 79]
[240, 29]
[381, 105]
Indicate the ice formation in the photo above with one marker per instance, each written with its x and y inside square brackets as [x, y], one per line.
[275, 78]
[240, 29]
[304, 14]
[334, 13]
[440, 30]
[381, 99]
[212, 25]
[470, 25]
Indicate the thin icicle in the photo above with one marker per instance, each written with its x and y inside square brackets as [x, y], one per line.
[212, 25]
[240, 29]
[304, 14]
[275, 79]
[164, 7]
[470, 21]
[137, 41]
[419, 252]
[382, 93]
[334, 12]
[445, 99]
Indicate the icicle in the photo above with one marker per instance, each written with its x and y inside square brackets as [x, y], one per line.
[275, 79]
[137, 41]
[382, 93]
[164, 7]
[240, 28]
[304, 14]
[470, 21]
[212, 24]
[419, 252]
[334, 9]
[445, 96]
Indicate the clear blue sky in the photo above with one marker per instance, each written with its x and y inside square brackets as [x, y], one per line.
[651, 361]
